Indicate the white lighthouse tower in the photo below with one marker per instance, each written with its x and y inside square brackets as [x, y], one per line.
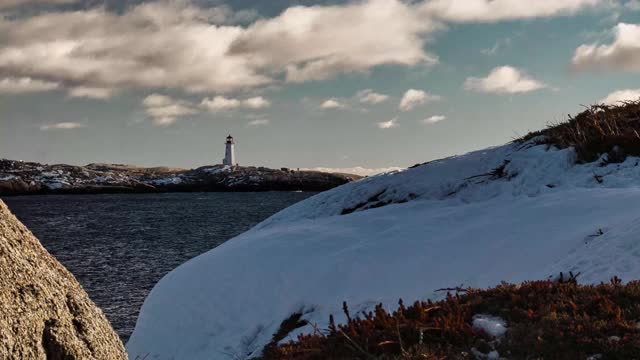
[229, 152]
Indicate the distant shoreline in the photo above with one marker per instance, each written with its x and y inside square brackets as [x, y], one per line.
[29, 178]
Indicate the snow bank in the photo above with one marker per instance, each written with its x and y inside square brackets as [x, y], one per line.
[512, 213]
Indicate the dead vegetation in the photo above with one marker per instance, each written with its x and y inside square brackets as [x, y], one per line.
[600, 129]
[545, 320]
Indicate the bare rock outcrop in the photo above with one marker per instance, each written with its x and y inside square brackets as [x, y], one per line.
[44, 312]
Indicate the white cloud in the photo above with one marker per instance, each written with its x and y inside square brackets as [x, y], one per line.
[62, 126]
[357, 170]
[163, 44]
[434, 119]
[332, 104]
[257, 102]
[13, 85]
[499, 10]
[164, 110]
[504, 80]
[259, 122]
[319, 42]
[413, 98]
[90, 93]
[621, 55]
[620, 96]
[388, 124]
[371, 97]
[221, 103]
[177, 45]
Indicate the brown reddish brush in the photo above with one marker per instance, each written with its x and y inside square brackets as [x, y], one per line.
[545, 320]
[600, 129]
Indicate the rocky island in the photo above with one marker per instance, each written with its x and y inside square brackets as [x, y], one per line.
[23, 178]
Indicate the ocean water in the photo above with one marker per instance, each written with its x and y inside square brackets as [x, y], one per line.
[118, 246]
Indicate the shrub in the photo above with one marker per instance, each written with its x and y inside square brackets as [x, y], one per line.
[600, 129]
[545, 320]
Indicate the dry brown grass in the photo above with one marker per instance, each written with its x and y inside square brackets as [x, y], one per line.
[600, 129]
[545, 320]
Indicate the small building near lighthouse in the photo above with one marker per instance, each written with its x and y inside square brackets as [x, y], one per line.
[229, 152]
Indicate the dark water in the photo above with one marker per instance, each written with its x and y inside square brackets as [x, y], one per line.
[119, 246]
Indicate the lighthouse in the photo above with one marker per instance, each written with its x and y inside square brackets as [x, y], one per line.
[229, 152]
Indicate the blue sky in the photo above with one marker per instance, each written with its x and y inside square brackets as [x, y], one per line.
[372, 83]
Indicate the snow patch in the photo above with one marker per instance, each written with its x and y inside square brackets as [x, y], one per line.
[492, 355]
[166, 181]
[217, 169]
[511, 213]
[491, 325]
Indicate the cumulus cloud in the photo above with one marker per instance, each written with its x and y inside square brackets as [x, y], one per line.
[257, 102]
[177, 45]
[90, 93]
[370, 97]
[388, 124]
[357, 170]
[504, 80]
[153, 45]
[221, 103]
[259, 122]
[619, 96]
[319, 42]
[62, 126]
[434, 119]
[623, 54]
[12, 85]
[413, 98]
[332, 104]
[498, 10]
[165, 110]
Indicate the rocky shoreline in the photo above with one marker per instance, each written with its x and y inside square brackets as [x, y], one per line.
[26, 178]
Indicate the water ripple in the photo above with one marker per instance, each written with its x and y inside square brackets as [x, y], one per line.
[118, 246]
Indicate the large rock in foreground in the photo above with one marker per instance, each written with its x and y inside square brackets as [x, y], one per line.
[44, 312]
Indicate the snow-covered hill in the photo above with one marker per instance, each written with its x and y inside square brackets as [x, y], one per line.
[510, 213]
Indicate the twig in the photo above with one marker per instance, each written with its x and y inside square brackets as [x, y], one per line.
[357, 347]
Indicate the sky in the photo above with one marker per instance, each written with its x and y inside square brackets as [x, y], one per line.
[357, 86]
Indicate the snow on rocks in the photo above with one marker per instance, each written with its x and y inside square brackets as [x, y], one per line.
[168, 180]
[216, 169]
[510, 213]
[492, 355]
[97, 178]
[491, 325]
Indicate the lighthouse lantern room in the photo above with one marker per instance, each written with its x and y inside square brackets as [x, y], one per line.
[229, 152]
